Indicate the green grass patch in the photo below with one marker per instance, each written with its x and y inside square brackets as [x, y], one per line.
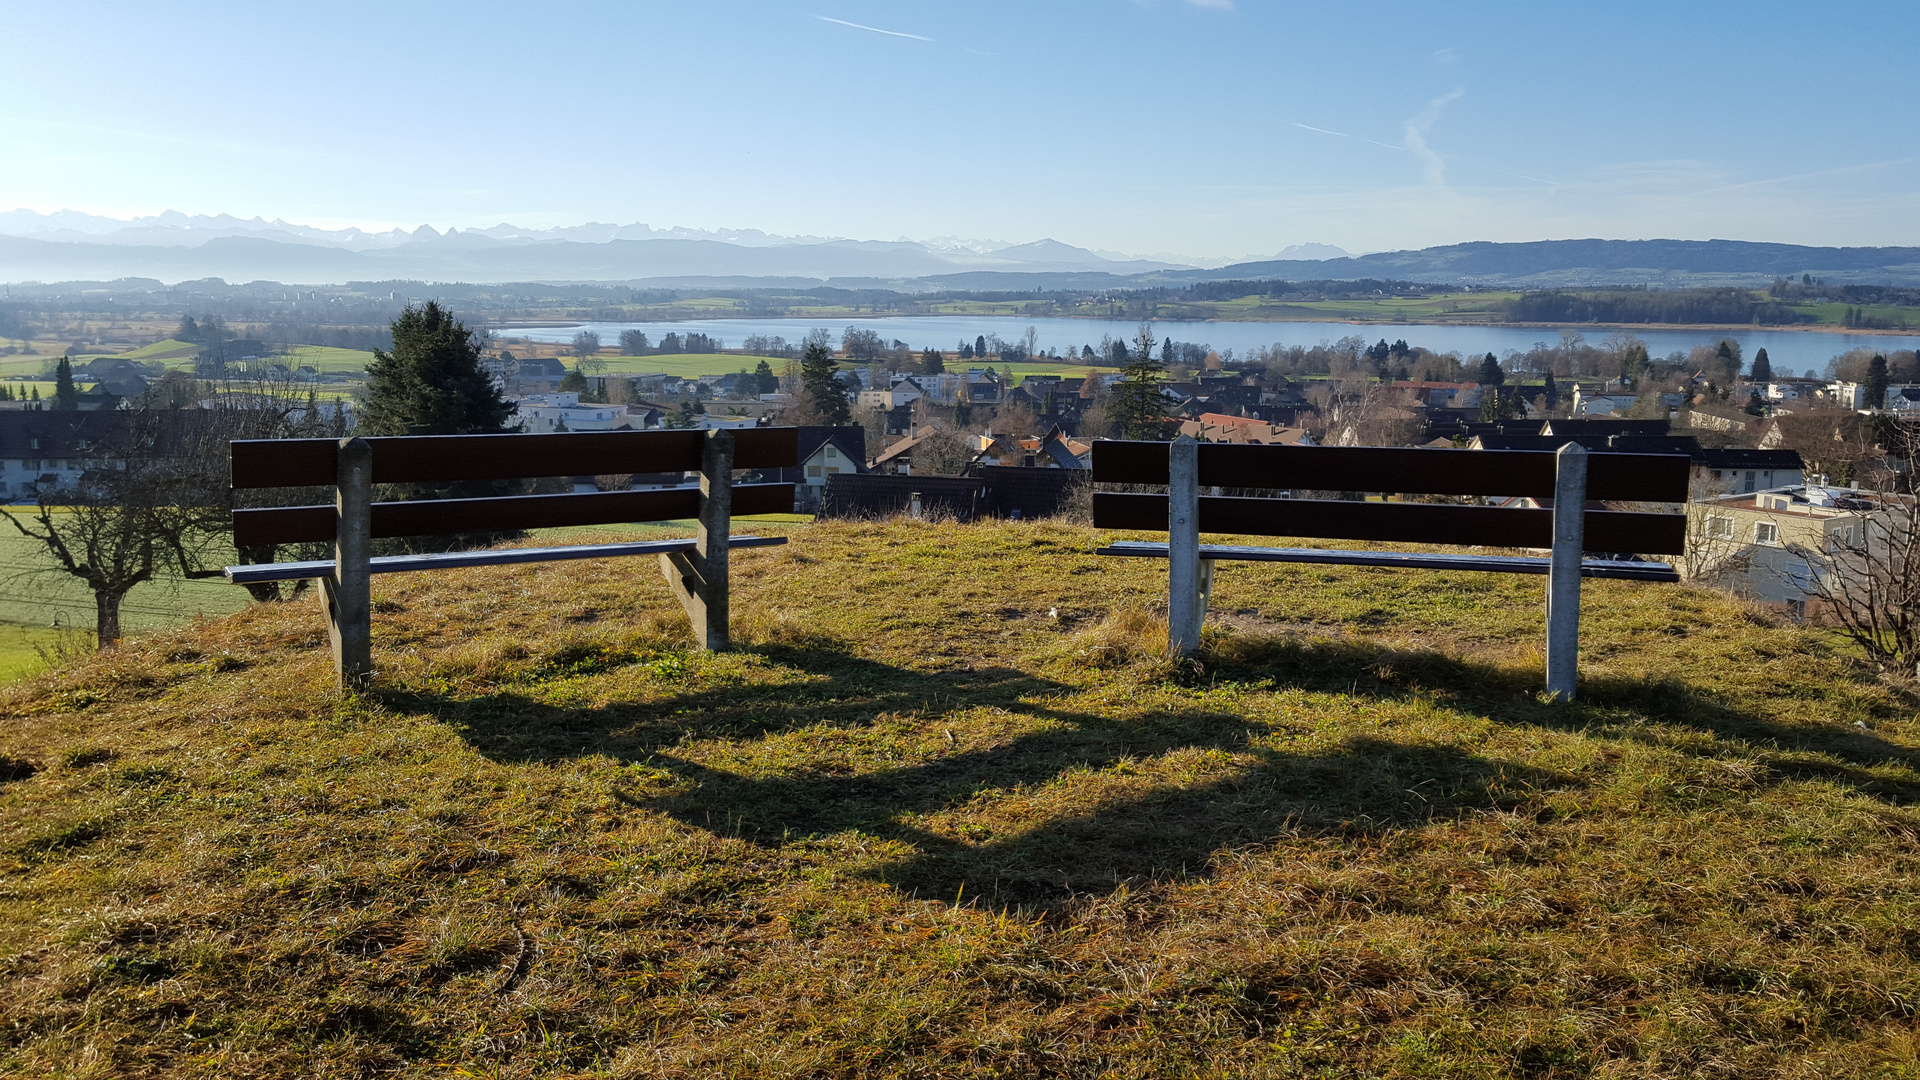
[327, 359]
[21, 647]
[32, 594]
[948, 810]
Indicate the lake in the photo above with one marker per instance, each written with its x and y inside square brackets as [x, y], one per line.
[1791, 351]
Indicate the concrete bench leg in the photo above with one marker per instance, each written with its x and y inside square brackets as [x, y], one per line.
[1563, 574]
[347, 595]
[699, 580]
[1189, 577]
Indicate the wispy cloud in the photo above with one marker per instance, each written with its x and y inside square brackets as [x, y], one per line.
[871, 29]
[1416, 137]
[1344, 135]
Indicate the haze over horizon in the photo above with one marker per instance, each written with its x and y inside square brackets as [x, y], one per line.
[1204, 130]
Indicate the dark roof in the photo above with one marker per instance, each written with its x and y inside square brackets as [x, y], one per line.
[58, 434]
[1599, 444]
[1602, 426]
[537, 367]
[1711, 458]
[852, 441]
[1737, 457]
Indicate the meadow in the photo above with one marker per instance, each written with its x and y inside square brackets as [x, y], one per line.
[932, 821]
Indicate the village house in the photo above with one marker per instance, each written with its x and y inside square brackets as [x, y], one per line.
[540, 414]
[1768, 544]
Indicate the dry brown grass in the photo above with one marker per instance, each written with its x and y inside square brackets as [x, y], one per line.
[951, 811]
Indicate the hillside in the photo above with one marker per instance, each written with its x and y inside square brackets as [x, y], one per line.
[949, 813]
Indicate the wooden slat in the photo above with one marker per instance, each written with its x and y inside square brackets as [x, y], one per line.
[1617, 569]
[255, 573]
[413, 459]
[1408, 523]
[1415, 470]
[442, 517]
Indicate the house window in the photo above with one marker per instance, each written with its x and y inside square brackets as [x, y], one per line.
[830, 452]
[813, 470]
[33, 444]
[1719, 526]
[1766, 532]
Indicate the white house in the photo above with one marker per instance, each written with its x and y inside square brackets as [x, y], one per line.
[543, 413]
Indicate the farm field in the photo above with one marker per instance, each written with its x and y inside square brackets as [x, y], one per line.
[33, 595]
[936, 823]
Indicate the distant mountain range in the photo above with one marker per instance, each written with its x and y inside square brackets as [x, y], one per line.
[173, 247]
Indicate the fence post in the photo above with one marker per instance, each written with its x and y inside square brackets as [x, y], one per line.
[699, 581]
[348, 593]
[1563, 575]
[1186, 605]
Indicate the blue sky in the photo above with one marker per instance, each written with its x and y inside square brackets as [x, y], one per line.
[1222, 128]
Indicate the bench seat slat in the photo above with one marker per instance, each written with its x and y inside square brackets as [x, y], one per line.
[1506, 564]
[452, 560]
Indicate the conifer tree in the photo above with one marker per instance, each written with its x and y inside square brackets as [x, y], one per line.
[1762, 367]
[1490, 373]
[66, 397]
[1877, 381]
[817, 370]
[764, 380]
[1139, 409]
[432, 382]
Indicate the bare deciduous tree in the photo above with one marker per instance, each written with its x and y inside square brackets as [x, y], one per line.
[1865, 577]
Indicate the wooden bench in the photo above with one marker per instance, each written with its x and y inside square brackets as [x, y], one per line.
[1569, 478]
[695, 568]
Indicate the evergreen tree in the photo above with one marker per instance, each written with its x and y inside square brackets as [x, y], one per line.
[980, 345]
[932, 363]
[1762, 367]
[1139, 409]
[1877, 381]
[1551, 391]
[817, 371]
[66, 397]
[573, 382]
[432, 382]
[764, 380]
[1490, 372]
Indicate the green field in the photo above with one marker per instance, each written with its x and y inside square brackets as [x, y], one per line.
[32, 595]
[328, 360]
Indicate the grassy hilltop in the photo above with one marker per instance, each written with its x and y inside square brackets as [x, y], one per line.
[948, 811]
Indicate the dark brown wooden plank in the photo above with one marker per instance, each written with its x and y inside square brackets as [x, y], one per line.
[1409, 523]
[411, 459]
[1410, 470]
[442, 517]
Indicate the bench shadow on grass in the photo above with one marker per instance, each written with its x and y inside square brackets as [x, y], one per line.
[1609, 707]
[962, 813]
[1022, 822]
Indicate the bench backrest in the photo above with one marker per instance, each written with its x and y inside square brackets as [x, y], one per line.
[1650, 478]
[433, 459]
